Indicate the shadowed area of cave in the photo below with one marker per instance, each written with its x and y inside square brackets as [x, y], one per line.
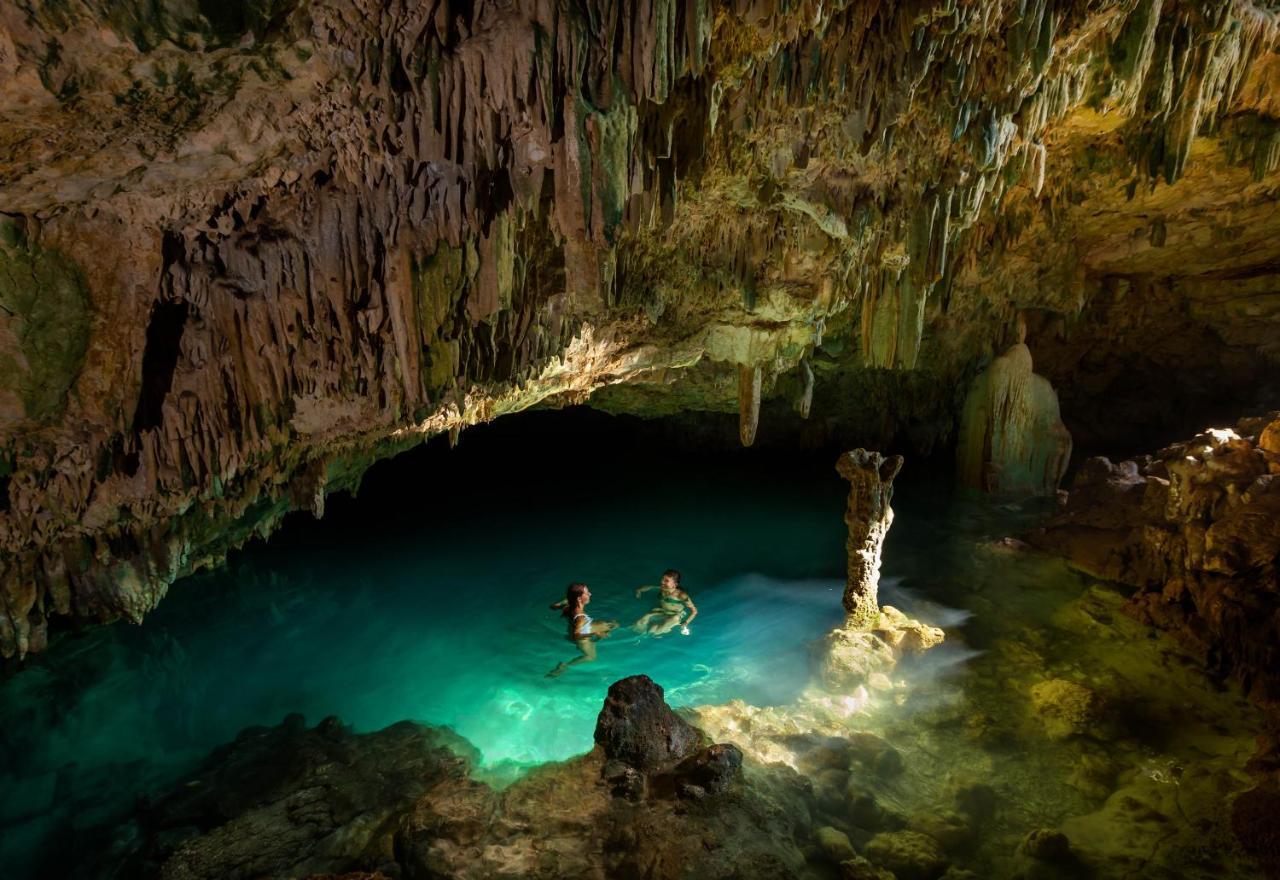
[366, 364]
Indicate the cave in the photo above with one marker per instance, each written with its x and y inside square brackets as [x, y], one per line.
[640, 438]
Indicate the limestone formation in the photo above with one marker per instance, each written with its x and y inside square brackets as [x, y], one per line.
[248, 249]
[289, 801]
[868, 517]
[637, 727]
[1012, 440]
[1195, 530]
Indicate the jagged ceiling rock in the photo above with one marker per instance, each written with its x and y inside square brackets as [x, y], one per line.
[248, 248]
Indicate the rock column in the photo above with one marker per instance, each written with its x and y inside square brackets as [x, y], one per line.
[1012, 439]
[868, 517]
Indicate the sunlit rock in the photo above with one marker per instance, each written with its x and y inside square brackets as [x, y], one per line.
[1065, 708]
[868, 516]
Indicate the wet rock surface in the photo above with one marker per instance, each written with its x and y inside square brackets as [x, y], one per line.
[292, 801]
[638, 728]
[1195, 530]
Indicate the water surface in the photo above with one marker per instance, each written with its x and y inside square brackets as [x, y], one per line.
[427, 598]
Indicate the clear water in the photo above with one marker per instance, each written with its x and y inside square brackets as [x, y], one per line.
[426, 598]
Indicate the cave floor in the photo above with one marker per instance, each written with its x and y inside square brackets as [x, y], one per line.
[426, 598]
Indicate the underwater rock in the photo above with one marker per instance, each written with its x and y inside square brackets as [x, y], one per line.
[1194, 531]
[1254, 822]
[638, 728]
[910, 855]
[1065, 708]
[1012, 439]
[1047, 845]
[875, 754]
[288, 800]
[868, 517]
[711, 771]
[858, 868]
[951, 830]
[835, 844]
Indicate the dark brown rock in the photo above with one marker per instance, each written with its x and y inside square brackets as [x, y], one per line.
[1196, 532]
[712, 770]
[638, 728]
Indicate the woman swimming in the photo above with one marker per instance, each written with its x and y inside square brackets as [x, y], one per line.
[673, 602]
[583, 631]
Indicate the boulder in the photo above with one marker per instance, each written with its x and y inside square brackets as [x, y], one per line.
[713, 769]
[858, 868]
[875, 754]
[852, 656]
[1065, 708]
[835, 844]
[904, 634]
[638, 728]
[1047, 845]
[910, 855]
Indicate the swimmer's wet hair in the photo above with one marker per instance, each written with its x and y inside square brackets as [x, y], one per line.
[571, 597]
[673, 574]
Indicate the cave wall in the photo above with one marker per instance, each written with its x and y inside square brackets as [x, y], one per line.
[248, 249]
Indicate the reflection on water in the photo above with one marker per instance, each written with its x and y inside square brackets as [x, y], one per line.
[427, 599]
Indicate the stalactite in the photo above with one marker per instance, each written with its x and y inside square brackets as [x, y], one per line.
[749, 385]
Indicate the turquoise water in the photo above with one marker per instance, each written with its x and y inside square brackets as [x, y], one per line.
[427, 598]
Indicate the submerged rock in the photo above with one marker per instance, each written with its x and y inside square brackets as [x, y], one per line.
[1047, 845]
[1065, 708]
[710, 771]
[287, 800]
[858, 868]
[400, 803]
[910, 855]
[835, 844]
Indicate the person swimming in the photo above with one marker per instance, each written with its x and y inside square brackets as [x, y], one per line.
[583, 631]
[673, 602]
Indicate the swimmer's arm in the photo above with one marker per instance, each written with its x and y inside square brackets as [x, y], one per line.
[640, 591]
[556, 606]
[693, 609]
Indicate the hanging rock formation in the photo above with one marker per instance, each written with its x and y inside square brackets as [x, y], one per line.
[246, 250]
[1012, 440]
[868, 517]
[1195, 530]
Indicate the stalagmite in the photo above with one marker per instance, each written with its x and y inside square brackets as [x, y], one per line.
[1012, 440]
[868, 517]
[749, 379]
